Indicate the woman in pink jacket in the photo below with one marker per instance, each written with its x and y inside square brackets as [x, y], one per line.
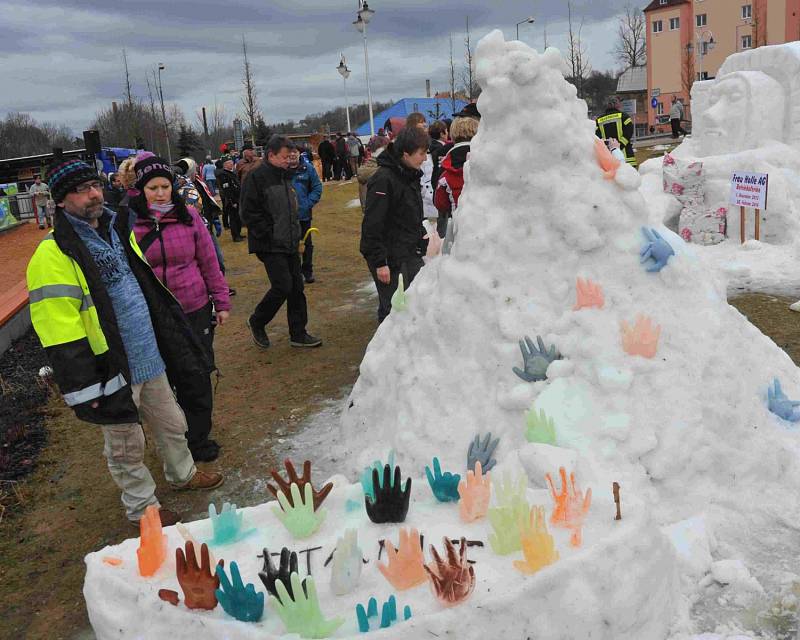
[178, 247]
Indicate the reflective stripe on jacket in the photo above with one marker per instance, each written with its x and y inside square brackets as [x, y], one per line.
[618, 125]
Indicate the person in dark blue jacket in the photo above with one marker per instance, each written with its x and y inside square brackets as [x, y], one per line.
[308, 188]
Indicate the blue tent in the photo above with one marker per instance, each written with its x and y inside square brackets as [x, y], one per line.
[426, 106]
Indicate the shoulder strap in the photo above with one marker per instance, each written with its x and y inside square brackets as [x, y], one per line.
[149, 238]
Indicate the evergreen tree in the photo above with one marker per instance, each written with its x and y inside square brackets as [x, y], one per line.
[263, 132]
[188, 142]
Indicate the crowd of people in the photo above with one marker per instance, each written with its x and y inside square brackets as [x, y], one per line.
[128, 289]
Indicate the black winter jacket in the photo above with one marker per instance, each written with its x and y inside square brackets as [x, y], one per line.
[74, 364]
[392, 230]
[269, 209]
[229, 188]
[326, 151]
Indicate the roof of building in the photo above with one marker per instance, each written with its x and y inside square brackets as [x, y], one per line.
[429, 107]
[664, 4]
[633, 79]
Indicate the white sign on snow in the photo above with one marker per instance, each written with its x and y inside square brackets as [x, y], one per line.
[749, 190]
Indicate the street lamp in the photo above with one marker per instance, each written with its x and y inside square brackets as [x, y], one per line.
[345, 73]
[161, 68]
[703, 45]
[364, 16]
[528, 20]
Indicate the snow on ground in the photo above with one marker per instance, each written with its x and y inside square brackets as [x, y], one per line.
[353, 204]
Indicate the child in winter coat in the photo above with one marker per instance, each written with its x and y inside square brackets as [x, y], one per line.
[451, 177]
[308, 188]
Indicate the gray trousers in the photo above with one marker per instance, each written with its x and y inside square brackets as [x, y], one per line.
[124, 446]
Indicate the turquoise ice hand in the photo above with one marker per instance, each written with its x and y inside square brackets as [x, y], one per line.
[388, 614]
[657, 249]
[443, 485]
[302, 614]
[299, 517]
[366, 475]
[780, 405]
[239, 601]
[227, 525]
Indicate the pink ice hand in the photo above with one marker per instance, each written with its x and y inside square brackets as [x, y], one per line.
[642, 338]
[589, 294]
[608, 163]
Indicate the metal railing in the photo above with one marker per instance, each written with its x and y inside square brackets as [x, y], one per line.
[21, 206]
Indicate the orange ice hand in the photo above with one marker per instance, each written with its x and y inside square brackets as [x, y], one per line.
[475, 492]
[608, 163]
[642, 338]
[453, 579]
[570, 507]
[153, 543]
[589, 294]
[406, 568]
[538, 545]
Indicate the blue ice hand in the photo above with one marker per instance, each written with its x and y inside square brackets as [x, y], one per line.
[227, 524]
[535, 360]
[657, 249]
[443, 485]
[239, 601]
[482, 452]
[366, 475]
[780, 405]
[388, 614]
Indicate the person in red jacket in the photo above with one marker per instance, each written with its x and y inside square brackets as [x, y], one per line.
[451, 176]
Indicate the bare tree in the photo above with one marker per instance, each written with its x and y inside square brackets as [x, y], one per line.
[578, 55]
[151, 126]
[630, 49]
[471, 87]
[219, 130]
[130, 101]
[250, 97]
[452, 77]
[687, 69]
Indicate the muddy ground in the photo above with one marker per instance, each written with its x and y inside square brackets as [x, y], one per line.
[71, 506]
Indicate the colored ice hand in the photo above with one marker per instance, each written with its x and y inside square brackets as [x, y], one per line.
[535, 360]
[443, 485]
[152, 544]
[608, 163]
[347, 563]
[538, 545]
[510, 492]
[780, 405]
[391, 498]
[299, 517]
[453, 579]
[188, 537]
[449, 237]
[227, 525]
[539, 427]
[506, 522]
[482, 452]
[284, 486]
[475, 492]
[388, 614]
[366, 475]
[300, 612]
[434, 244]
[399, 295]
[270, 574]
[570, 505]
[199, 584]
[406, 565]
[657, 249]
[642, 338]
[239, 601]
[589, 294]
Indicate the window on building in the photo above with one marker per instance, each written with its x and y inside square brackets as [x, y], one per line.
[747, 11]
[674, 23]
[701, 19]
[660, 109]
[658, 26]
[747, 42]
[702, 76]
[662, 2]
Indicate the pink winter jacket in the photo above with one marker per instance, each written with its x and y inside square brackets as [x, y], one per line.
[184, 259]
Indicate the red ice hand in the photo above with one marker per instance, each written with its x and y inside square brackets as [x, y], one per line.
[453, 579]
[199, 583]
[570, 507]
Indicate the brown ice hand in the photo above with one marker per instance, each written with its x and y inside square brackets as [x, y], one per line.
[198, 582]
[284, 486]
[453, 579]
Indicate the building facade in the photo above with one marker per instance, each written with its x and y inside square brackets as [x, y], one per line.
[688, 40]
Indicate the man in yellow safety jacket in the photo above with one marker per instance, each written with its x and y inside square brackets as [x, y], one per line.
[617, 124]
[113, 333]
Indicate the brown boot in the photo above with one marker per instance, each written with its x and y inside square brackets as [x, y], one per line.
[204, 481]
[168, 518]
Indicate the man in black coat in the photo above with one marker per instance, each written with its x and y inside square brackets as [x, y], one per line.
[342, 158]
[230, 191]
[392, 234]
[327, 155]
[269, 209]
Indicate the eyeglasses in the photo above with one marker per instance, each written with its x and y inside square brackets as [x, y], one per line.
[88, 186]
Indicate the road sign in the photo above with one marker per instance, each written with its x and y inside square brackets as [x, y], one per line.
[238, 134]
[655, 92]
[654, 103]
[629, 107]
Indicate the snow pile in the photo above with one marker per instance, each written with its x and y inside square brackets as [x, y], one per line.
[688, 430]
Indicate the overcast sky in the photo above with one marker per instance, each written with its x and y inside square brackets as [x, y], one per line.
[60, 60]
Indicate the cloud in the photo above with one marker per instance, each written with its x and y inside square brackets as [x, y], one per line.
[64, 56]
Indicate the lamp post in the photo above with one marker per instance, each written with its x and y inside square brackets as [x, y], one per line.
[345, 73]
[703, 46]
[528, 20]
[364, 16]
[161, 68]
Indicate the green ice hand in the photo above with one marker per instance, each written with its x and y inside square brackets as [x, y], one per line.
[301, 520]
[302, 615]
[539, 427]
[509, 492]
[399, 296]
[506, 522]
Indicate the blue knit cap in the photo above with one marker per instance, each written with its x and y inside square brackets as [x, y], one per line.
[64, 175]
